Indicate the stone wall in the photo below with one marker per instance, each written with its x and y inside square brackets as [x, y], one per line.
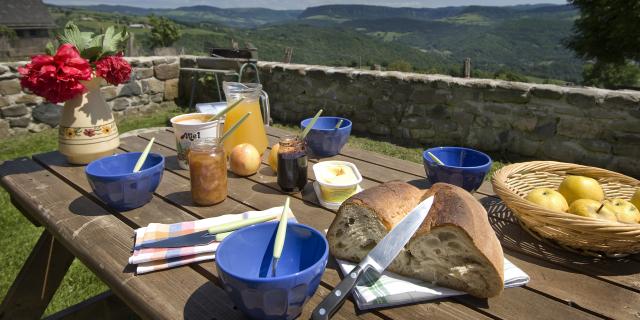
[153, 85]
[530, 121]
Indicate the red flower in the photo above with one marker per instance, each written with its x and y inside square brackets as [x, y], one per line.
[56, 78]
[114, 69]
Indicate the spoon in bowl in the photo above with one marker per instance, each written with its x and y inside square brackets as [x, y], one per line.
[280, 235]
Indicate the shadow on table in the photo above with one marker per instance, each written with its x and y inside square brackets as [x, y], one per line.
[209, 300]
[83, 206]
[18, 166]
[526, 247]
[171, 163]
[266, 171]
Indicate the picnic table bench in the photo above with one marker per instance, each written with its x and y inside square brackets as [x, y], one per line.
[56, 195]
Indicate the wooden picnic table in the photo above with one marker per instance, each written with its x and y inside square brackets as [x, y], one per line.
[54, 194]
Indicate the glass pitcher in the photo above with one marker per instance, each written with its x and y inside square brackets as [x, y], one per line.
[251, 130]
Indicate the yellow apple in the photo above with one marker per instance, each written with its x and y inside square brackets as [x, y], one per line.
[636, 199]
[273, 157]
[580, 187]
[624, 210]
[548, 198]
[593, 209]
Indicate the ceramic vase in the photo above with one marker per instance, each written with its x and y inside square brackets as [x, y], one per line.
[87, 128]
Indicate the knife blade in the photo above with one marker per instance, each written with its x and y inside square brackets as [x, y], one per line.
[203, 237]
[378, 259]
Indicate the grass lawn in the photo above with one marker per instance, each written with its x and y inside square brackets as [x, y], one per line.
[17, 235]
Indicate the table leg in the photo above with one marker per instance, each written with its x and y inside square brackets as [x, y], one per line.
[37, 281]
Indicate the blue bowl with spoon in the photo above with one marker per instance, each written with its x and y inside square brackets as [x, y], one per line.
[324, 139]
[114, 182]
[244, 262]
[463, 167]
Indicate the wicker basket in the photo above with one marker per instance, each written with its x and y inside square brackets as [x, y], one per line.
[580, 234]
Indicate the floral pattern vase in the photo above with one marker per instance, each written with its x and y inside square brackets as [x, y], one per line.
[87, 128]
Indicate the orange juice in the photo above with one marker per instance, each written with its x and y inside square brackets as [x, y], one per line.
[251, 130]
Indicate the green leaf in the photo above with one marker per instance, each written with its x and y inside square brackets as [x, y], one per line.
[74, 36]
[50, 49]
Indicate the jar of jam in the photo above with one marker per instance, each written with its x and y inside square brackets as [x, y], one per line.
[292, 164]
[208, 170]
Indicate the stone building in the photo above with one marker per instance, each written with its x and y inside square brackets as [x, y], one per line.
[31, 21]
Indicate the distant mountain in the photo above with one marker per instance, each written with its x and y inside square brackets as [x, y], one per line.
[235, 17]
[525, 39]
[352, 12]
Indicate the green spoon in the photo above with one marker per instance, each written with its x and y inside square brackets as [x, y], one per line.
[311, 124]
[435, 158]
[339, 124]
[280, 235]
[225, 110]
[234, 127]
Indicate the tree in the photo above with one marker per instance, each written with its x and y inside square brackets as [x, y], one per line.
[164, 32]
[400, 65]
[6, 32]
[607, 30]
[610, 75]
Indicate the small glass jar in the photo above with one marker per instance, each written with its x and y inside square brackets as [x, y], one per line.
[292, 164]
[208, 170]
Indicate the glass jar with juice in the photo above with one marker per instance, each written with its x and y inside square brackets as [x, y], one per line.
[208, 170]
[252, 130]
[292, 164]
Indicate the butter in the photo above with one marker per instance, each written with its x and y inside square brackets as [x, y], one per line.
[338, 175]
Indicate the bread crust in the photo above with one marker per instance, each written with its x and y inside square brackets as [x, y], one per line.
[391, 201]
[453, 206]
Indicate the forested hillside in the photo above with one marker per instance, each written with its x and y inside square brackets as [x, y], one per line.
[518, 42]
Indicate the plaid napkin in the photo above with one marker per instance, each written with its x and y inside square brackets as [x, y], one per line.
[153, 259]
[392, 289]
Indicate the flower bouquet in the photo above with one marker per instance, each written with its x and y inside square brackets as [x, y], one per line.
[72, 73]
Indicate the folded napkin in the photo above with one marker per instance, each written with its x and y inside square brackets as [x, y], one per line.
[153, 259]
[392, 289]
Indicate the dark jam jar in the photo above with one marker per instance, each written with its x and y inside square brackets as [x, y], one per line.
[292, 164]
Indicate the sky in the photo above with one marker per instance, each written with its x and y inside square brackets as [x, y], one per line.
[298, 4]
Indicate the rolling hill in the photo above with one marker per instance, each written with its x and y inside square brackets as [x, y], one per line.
[524, 39]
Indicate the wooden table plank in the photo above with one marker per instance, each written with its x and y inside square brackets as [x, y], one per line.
[257, 201]
[103, 243]
[238, 187]
[620, 272]
[623, 272]
[158, 211]
[371, 157]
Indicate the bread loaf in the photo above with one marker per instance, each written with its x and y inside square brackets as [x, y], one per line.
[455, 246]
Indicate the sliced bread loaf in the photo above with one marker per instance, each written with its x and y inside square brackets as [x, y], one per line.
[455, 246]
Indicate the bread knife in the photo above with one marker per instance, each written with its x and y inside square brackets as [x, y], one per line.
[378, 259]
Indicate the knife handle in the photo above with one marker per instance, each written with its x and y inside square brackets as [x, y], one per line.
[334, 300]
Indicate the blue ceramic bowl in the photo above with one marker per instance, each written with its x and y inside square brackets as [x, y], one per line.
[244, 260]
[463, 167]
[324, 140]
[113, 180]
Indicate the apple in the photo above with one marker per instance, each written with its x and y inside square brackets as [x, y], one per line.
[636, 198]
[244, 160]
[624, 210]
[580, 187]
[592, 209]
[273, 157]
[548, 199]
